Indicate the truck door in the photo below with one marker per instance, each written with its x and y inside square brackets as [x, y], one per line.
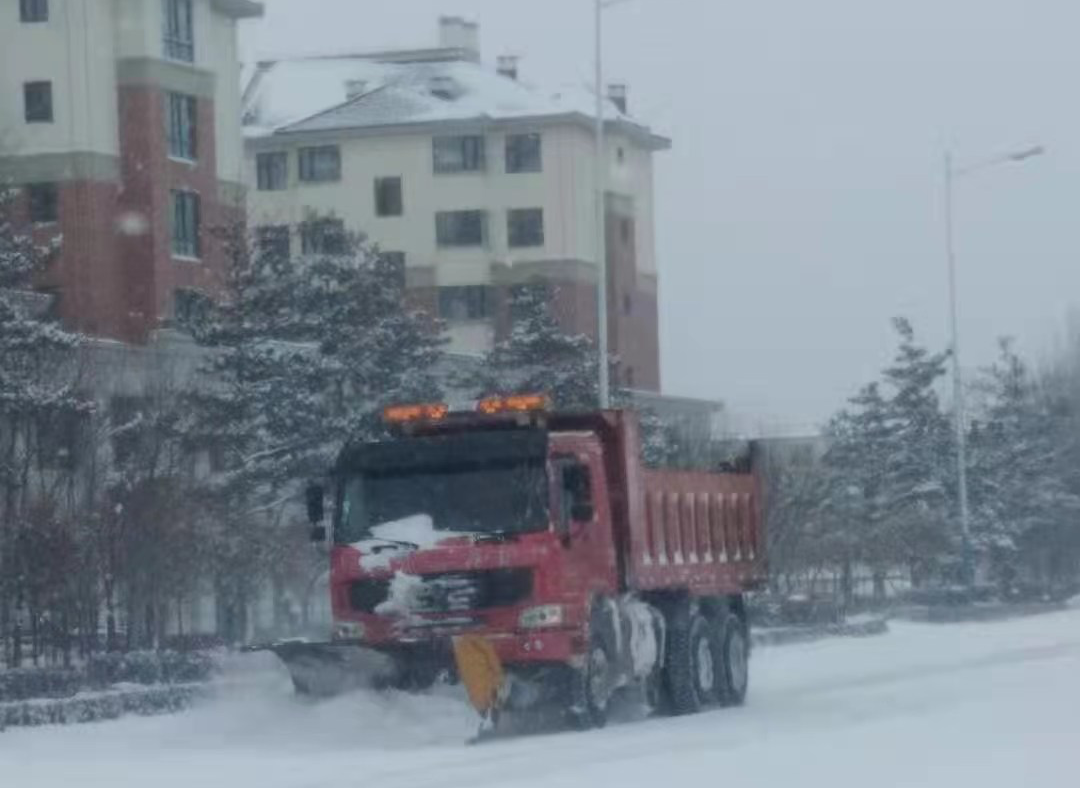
[585, 520]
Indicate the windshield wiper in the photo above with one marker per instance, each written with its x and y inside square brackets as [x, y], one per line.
[391, 543]
[498, 537]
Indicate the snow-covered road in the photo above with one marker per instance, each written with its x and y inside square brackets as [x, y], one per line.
[983, 705]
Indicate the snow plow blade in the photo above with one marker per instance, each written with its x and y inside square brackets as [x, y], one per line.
[480, 671]
[323, 670]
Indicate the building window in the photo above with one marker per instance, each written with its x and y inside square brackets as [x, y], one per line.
[320, 165]
[272, 171]
[43, 201]
[459, 304]
[180, 125]
[625, 230]
[460, 228]
[273, 242]
[179, 30]
[525, 227]
[189, 307]
[34, 10]
[185, 224]
[393, 264]
[38, 101]
[324, 236]
[459, 154]
[629, 377]
[389, 200]
[627, 303]
[620, 154]
[523, 153]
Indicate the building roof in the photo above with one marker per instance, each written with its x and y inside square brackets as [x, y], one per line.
[357, 93]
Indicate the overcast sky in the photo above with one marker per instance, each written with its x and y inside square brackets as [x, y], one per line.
[800, 207]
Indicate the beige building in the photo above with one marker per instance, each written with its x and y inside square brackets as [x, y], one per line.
[120, 125]
[473, 179]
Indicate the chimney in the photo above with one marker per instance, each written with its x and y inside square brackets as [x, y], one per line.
[456, 33]
[616, 94]
[355, 88]
[507, 66]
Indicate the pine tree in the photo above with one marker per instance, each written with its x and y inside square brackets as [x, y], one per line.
[539, 357]
[888, 466]
[921, 499]
[305, 352]
[1019, 493]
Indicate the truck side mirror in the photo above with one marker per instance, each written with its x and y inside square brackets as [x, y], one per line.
[316, 511]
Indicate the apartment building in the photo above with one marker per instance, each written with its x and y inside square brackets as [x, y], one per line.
[120, 126]
[473, 179]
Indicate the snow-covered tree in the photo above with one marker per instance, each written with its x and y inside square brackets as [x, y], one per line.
[1019, 495]
[305, 353]
[889, 463]
[42, 417]
[308, 351]
[537, 356]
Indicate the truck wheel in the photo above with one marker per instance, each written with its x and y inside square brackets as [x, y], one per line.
[734, 662]
[691, 668]
[592, 685]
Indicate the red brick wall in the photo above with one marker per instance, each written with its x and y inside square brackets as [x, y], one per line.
[84, 270]
[633, 333]
[150, 273]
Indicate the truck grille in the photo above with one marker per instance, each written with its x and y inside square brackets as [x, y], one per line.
[452, 592]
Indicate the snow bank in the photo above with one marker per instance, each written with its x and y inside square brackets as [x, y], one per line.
[988, 705]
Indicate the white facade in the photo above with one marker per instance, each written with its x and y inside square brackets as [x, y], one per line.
[383, 113]
[75, 50]
[564, 189]
[78, 50]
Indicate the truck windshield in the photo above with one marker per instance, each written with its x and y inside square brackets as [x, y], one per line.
[477, 498]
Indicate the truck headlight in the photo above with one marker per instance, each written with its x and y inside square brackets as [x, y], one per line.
[541, 616]
[348, 630]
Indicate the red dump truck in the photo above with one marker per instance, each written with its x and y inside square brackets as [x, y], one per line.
[541, 535]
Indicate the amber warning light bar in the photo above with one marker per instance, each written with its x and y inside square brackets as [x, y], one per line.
[489, 406]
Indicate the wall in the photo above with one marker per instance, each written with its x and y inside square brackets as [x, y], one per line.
[73, 50]
[224, 62]
[564, 189]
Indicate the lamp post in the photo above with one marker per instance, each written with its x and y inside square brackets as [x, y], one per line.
[600, 175]
[952, 174]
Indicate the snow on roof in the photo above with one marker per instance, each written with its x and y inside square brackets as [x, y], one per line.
[313, 95]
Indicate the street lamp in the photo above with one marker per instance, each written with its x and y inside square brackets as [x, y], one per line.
[952, 173]
[604, 384]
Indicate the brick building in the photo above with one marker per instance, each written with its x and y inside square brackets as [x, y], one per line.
[120, 125]
[474, 179]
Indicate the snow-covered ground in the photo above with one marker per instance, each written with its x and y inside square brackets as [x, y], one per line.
[985, 705]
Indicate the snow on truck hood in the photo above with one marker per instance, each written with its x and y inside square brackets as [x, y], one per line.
[381, 548]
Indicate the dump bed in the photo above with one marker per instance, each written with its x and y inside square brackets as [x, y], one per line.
[683, 529]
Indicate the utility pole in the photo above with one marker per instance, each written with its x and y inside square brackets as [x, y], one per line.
[604, 383]
[952, 173]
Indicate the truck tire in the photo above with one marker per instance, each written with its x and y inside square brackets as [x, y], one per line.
[690, 669]
[733, 661]
[591, 686]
